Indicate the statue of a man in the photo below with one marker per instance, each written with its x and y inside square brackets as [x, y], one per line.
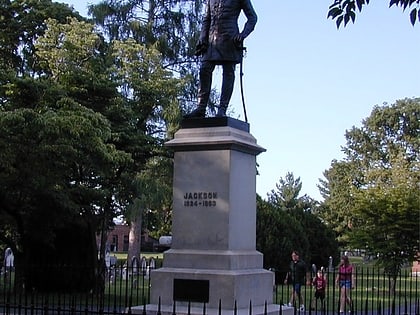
[221, 43]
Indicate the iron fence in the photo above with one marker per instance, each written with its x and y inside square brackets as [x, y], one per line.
[374, 293]
[122, 288]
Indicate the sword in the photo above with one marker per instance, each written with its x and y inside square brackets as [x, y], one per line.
[241, 81]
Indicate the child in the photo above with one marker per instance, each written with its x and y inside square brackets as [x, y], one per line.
[320, 283]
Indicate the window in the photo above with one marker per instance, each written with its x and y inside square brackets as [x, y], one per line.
[114, 245]
[125, 245]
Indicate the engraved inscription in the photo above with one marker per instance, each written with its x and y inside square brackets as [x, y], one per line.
[200, 199]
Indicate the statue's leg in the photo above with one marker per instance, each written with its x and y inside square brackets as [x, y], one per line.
[204, 87]
[227, 87]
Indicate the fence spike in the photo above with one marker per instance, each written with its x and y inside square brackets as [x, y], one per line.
[174, 308]
[250, 307]
[220, 306]
[235, 308]
[366, 306]
[189, 308]
[393, 306]
[265, 307]
[418, 307]
[144, 306]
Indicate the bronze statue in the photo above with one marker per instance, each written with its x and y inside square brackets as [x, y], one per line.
[221, 43]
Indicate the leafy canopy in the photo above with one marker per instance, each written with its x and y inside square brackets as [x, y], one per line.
[344, 11]
[288, 222]
[371, 197]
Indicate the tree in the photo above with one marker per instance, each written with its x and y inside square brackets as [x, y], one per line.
[46, 158]
[287, 193]
[170, 26]
[153, 191]
[336, 209]
[287, 222]
[376, 186]
[278, 234]
[147, 94]
[55, 152]
[22, 23]
[344, 11]
[77, 125]
[386, 220]
[170, 30]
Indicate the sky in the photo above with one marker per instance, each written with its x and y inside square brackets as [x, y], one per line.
[307, 82]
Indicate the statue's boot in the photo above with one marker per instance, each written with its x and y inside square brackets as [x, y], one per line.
[227, 88]
[204, 87]
[199, 112]
[221, 111]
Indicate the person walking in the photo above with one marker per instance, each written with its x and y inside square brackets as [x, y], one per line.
[345, 279]
[319, 282]
[297, 273]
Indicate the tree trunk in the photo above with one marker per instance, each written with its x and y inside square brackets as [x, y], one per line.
[392, 285]
[134, 238]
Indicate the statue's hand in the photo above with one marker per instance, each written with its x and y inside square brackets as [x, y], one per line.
[238, 40]
[200, 49]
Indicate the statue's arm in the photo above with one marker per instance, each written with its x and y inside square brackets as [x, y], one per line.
[251, 18]
[205, 27]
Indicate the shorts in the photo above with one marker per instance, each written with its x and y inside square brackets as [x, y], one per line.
[320, 295]
[345, 283]
[296, 287]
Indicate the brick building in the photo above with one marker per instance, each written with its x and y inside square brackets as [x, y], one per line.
[117, 239]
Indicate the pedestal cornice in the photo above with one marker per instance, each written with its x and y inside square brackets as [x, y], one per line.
[219, 134]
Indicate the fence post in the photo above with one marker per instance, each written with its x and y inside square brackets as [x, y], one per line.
[174, 308]
[159, 305]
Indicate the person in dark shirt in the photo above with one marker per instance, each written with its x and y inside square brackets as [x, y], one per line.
[298, 272]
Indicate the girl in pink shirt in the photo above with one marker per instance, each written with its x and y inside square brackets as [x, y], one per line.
[345, 279]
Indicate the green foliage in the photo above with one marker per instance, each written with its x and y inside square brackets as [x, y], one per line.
[68, 47]
[22, 22]
[387, 220]
[287, 222]
[287, 194]
[52, 163]
[80, 117]
[154, 187]
[344, 11]
[375, 189]
[278, 234]
[171, 27]
[338, 202]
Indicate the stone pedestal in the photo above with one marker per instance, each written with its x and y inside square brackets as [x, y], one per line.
[213, 258]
